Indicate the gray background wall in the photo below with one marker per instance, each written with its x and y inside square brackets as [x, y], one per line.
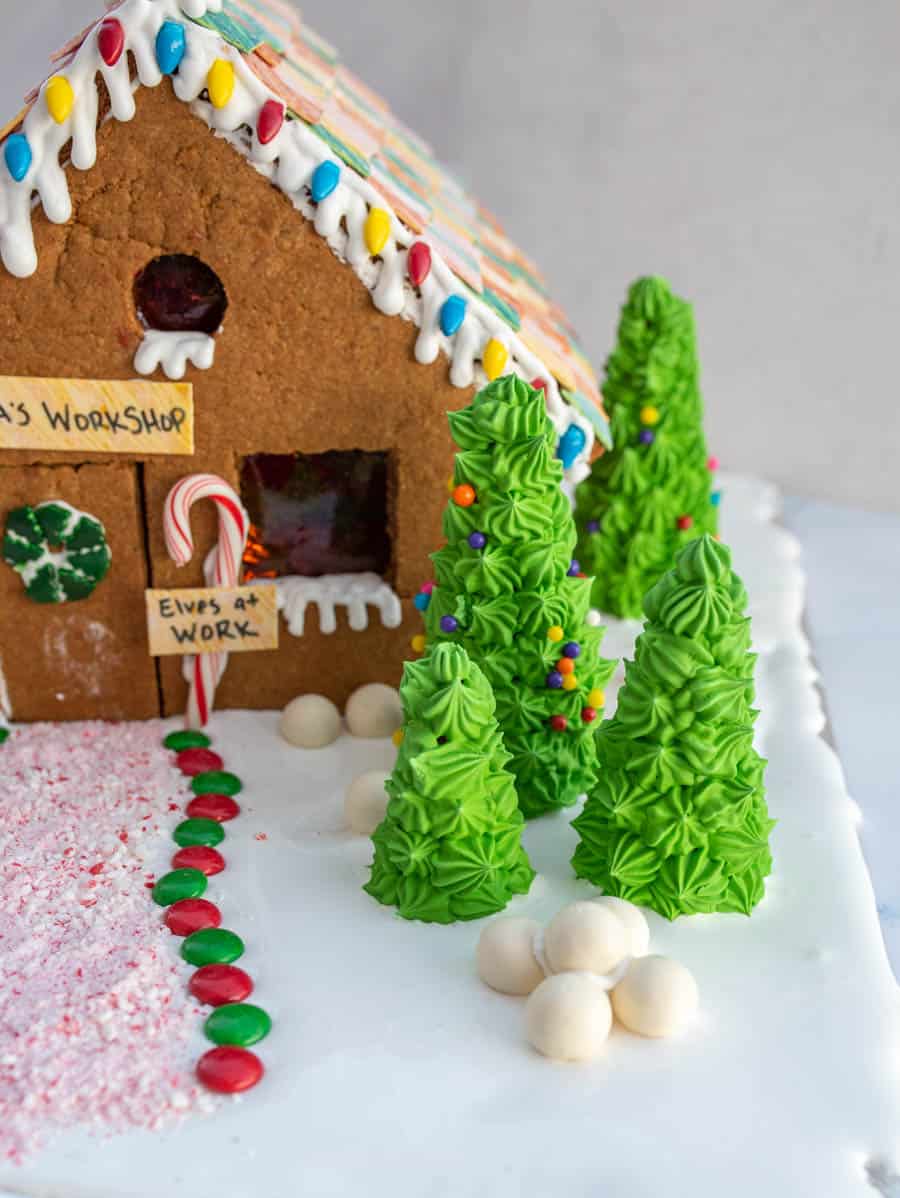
[747, 151]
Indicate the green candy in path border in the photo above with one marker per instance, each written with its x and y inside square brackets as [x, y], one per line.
[59, 552]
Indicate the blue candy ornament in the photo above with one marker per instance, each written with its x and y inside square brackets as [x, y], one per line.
[571, 443]
[170, 46]
[17, 155]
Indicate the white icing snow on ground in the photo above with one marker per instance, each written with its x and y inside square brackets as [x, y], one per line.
[393, 1072]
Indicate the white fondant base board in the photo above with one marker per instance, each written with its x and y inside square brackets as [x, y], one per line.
[392, 1071]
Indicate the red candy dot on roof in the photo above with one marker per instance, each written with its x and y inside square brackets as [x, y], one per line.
[190, 915]
[218, 984]
[199, 856]
[111, 41]
[198, 761]
[218, 807]
[271, 118]
[229, 1070]
[418, 263]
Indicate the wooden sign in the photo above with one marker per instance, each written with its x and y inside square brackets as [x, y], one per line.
[212, 619]
[133, 416]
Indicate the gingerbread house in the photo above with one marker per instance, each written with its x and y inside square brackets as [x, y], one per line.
[222, 252]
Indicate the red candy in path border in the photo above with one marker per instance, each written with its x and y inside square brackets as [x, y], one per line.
[229, 1070]
[218, 984]
[198, 761]
[190, 915]
[218, 807]
[199, 856]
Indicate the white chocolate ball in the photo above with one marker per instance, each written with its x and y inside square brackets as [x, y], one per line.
[585, 936]
[374, 710]
[505, 955]
[568, 1017]
[637, 930]
[310, 722]
[656, 997]
[365, 803]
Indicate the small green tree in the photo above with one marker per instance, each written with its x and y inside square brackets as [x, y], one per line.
[651, 493]
[450, 846]
[678, 819]
[509, 591]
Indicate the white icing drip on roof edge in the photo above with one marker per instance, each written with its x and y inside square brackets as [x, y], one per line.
[288, 161]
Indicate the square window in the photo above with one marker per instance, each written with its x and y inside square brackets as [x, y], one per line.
[315, 514]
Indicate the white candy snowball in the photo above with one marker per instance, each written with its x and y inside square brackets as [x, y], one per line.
[656, 997]
[310, 722]
[637, 930]
[568, 1017]
[365, 802]
[585, 936]
[505, 955]
[374, 710]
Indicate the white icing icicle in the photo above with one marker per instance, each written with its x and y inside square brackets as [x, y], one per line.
[353, 591]
[289, 160]
[173, 351]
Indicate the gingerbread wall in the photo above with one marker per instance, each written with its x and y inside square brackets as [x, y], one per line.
[304, 363]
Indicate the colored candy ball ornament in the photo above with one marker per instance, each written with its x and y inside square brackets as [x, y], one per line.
[229, 1069]
[505, 955]
[60, 553]
[366, 801]
[585, 936]
[464, 495]
[568, 1017]
[657, 997]
[373, 711]
[310, 722]
[477, 540]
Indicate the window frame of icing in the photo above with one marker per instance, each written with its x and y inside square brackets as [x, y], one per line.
[354, 591]
[171, 350]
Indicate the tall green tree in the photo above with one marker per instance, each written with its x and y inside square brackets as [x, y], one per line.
[450, 845]
[678, 819]
[651, 493]
[510, 592]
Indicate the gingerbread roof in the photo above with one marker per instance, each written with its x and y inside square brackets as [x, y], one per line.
[260, 76]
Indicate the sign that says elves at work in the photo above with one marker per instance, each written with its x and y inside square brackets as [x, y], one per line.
[89, 415]
[212, 619]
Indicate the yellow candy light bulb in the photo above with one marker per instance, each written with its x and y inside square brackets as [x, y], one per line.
[377, 230]
[220, 83]
[494, 358]
[60, 98]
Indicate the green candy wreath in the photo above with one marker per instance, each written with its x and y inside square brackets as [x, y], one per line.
[60, 553]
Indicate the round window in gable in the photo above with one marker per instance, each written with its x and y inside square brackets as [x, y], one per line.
[177, 293]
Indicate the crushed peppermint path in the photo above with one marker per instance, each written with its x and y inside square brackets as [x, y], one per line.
[97, 1025]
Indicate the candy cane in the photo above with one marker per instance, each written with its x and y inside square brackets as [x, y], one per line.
[222, 569]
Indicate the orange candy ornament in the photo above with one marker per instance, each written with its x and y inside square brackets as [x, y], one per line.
[464, 495]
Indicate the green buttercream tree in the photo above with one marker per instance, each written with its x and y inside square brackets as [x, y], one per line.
[450, 845]
[678, 819]
[651, 493]
[509, 591]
